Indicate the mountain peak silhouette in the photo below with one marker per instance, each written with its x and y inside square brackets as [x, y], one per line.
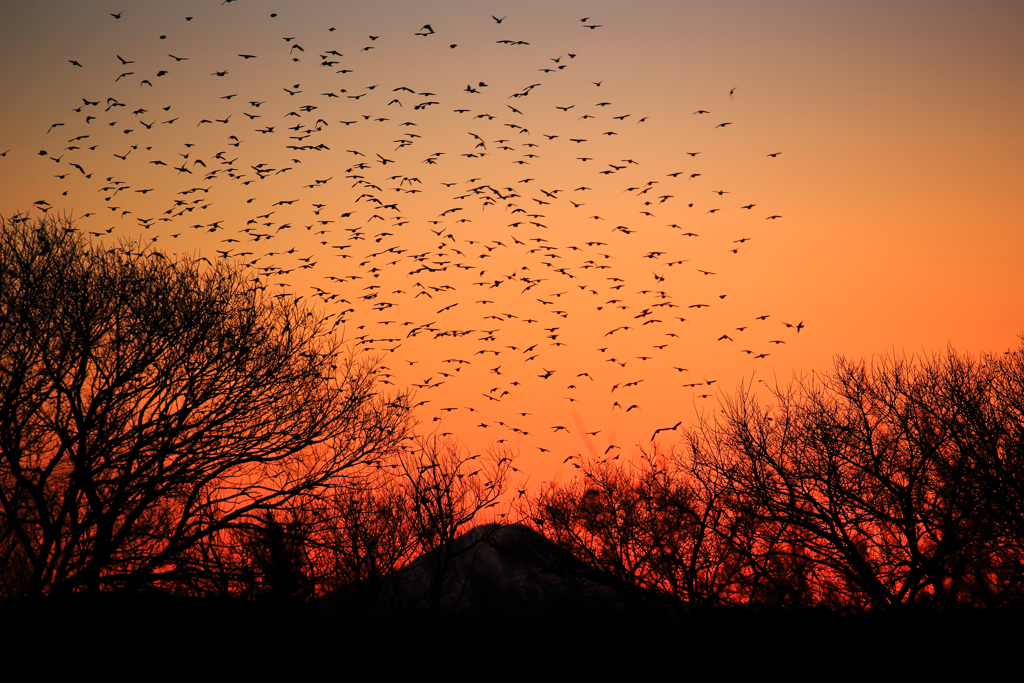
[505, 568]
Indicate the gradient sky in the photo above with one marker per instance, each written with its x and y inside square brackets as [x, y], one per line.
[900, 128]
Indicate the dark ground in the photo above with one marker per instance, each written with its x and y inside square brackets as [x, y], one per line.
[156, 633]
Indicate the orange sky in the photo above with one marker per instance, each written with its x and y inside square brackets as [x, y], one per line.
[898, 185]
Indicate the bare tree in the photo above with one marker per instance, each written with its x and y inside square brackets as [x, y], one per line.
[979, 404]
[616, 518]
[876, 485]
[362, 534]
[276, 558]
[655, 523]
[149, 403]
[447, 489]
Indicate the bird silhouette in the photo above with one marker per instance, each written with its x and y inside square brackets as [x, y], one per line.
[542, 295]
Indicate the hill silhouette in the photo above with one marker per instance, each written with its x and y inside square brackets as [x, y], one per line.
[498, 569]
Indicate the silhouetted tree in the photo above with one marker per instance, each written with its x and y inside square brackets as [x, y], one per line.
[616, 518]
[446, 489]
[363, 534]
[649, 524]
[704, 560]
[866, 488]
[277, 559]
[148, 404]
[879, 486]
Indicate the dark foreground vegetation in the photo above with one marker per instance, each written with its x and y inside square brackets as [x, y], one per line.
[184, 451]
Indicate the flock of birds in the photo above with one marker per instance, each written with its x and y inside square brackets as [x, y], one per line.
[457, 233]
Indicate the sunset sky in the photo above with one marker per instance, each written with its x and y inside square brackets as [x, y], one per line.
[898, 130]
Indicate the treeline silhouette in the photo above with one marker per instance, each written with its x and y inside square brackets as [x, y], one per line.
[174, 427]
[174, 424]
[872, 487]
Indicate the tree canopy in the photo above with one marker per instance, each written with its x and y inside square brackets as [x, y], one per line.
[868, 487]
[149, 402]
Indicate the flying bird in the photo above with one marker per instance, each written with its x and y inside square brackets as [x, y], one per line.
[391, 266]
